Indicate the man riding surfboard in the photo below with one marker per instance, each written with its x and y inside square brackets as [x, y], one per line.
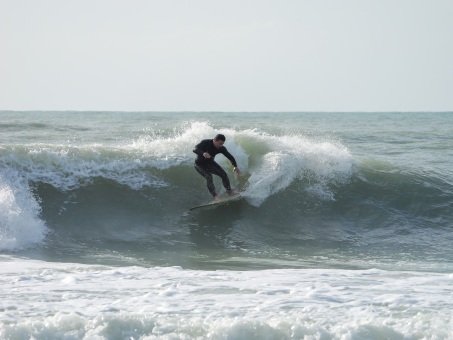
[206, 166]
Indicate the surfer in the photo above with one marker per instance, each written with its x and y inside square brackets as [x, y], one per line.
[206, 150]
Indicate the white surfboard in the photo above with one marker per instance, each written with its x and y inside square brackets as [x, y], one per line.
[219, 202]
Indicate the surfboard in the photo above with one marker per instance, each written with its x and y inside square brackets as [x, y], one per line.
[220, 202]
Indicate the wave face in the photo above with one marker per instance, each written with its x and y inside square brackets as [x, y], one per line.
[116, 188]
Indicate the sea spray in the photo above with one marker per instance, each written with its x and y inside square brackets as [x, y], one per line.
[321, 164]
[20, 225]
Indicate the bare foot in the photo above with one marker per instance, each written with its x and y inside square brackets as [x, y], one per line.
[233, 192]
[217, 198]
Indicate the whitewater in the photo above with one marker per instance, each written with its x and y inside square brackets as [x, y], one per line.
[344, 230]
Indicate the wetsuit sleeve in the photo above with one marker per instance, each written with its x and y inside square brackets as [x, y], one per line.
[200, 148]
[228, 155]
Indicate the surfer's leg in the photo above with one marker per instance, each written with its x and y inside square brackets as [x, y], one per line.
[209, 180]
[217, 170]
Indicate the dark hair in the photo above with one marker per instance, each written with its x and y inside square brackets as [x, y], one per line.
[220, 137]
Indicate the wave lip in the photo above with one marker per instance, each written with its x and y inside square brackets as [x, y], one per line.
[322, 164]
[70, 167]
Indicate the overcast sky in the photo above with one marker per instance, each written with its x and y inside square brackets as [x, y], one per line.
[209, 55]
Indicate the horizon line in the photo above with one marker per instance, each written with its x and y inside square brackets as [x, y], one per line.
[235, 111]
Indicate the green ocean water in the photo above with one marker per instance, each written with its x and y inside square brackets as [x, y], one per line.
[344, 230]
[348, 190]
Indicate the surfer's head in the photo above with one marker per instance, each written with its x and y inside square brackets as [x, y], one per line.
[219, 140]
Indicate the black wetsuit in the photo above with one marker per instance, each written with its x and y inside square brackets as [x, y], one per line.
[207, 166]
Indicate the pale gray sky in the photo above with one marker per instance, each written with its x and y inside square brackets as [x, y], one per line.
[209, 55]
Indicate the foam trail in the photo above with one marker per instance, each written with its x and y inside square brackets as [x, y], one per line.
[20, 226]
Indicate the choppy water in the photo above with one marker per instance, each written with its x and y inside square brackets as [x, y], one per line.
[345, 229]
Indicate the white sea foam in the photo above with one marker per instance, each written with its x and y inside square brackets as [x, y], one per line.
[290, 158]
[20, 225]
[69, 167]
[49, 300]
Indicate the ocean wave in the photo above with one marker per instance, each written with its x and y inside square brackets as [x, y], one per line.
[286, 159]
[270, 163]
[290, 183]
[69, 167]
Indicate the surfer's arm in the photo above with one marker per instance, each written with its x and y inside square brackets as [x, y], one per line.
[230, 157]
[201, 149]
[233, 161]
[198, 151]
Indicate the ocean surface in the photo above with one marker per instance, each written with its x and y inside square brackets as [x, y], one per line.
[344, 231]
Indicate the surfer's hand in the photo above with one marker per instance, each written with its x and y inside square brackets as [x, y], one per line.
[236, 170]
[206, 155]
